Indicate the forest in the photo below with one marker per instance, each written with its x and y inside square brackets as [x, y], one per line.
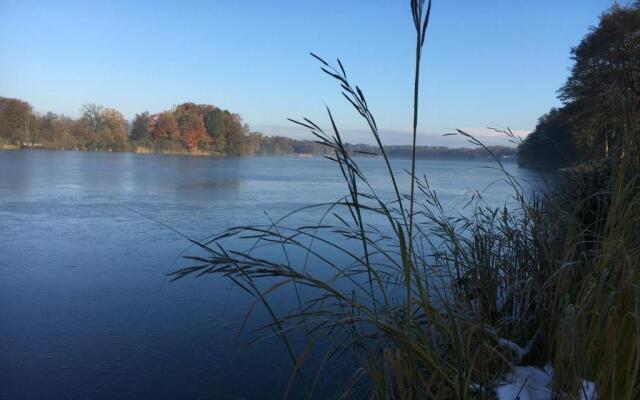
[185, 129]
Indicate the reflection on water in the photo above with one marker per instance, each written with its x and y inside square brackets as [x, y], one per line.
[85, 305]
[212, 185]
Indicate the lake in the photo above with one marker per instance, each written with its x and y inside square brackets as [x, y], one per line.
[86, 308]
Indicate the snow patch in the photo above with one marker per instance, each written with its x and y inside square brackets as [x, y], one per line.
[532, 383]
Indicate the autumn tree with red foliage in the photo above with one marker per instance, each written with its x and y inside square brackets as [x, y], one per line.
[164, 126]
[190, 119]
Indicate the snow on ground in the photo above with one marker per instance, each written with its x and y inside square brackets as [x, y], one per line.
[532, 383]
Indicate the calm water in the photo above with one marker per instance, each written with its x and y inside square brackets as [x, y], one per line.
[86, 310]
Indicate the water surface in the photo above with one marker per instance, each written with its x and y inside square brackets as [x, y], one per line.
[86, 309]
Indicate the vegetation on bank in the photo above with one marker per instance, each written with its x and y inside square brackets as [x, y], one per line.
[188, 128]
[426, 304]
[601, 98]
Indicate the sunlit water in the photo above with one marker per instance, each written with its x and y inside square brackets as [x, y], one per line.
[86, 309]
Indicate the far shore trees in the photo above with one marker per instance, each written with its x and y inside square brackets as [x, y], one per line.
[187, 128]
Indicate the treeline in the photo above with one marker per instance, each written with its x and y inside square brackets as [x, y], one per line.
[99, 128]
[187, 128]
[600, 115]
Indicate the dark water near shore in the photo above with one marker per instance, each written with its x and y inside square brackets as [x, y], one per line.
[86, 310]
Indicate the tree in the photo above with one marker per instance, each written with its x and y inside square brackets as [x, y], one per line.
[214, 120]
[56, 131]
[17, 121]
[600, 117]
[90, 126]
[166, 127]
[114, 129]
[550, 145]
[191, 124]
[103, 129]
[92, 116]
[234, 134]
[602, 94]
[140, 127]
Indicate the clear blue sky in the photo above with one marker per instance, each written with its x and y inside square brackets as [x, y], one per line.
[487, 63]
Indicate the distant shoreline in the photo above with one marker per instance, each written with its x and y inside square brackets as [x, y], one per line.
[457, 154]
[148, 150]
[194, 130]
